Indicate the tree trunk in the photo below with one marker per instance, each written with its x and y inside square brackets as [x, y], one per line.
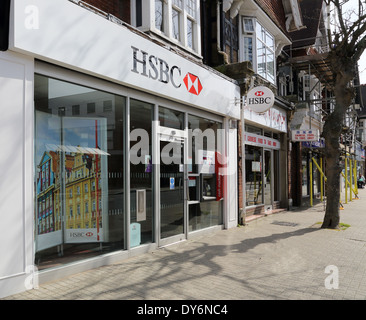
[332, 217]
[332, 130]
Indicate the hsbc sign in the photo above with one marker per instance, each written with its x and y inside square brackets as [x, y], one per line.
[260, 99]
[193, 84]
[158, 69]
[133, 61]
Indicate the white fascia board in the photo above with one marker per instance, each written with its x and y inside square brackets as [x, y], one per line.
[68, 35]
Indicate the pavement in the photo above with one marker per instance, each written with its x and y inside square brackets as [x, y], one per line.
[282, 256]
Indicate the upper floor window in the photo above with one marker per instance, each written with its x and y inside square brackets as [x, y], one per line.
[159, 14]
[259, 48]
[176, 20]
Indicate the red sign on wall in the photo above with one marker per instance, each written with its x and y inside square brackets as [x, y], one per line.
[219, 176]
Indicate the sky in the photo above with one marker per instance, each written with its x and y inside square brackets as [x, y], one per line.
[362, 69]
[351, 4]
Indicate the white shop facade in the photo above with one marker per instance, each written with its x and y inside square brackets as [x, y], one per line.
[266, 150]
[113, 145]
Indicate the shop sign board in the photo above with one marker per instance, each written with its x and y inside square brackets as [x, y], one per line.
[274, 118]
[314, 144]
[261, 141]
[114, 53]
[305, 135]
[260, 99]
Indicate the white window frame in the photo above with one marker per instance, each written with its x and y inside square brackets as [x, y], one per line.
[245, 29]
[180, 15]
[253, 35]
[187, 9]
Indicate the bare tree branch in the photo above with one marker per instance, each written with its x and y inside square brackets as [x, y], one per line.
[357, 29]
[338, 7]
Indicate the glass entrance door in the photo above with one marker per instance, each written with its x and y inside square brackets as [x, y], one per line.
[172, 191]
[267, 180]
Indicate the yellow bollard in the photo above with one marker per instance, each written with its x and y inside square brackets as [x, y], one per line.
[325, 179]
[311, 182]
[350, 179]
[355, 178]
[346, 179]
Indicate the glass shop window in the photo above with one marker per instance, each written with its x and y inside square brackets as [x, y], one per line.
[72, 123]
[141, 177]
[205, 182]
[253, 175]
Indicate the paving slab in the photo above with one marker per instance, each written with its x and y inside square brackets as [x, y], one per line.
[283, 256]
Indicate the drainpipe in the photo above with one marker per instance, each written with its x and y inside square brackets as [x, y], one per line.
[243, 162]
[242, 121]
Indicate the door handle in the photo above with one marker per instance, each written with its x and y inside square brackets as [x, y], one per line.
[180, 189]
[187, 189]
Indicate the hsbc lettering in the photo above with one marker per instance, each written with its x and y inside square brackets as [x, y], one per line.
[76, 234]
[80, 234]
[260, 100]
[155, 68]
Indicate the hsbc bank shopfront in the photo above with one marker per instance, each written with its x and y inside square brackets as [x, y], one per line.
[265, 147]
[119, 146]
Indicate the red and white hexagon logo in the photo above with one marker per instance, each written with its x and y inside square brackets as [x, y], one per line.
[193, 84]
[259, 93]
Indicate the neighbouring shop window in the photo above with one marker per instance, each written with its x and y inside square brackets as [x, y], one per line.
[276, 175]
[141, 177]
[306, 159]
[316, 174]
[253, 175]
[267, 177]
[305, 188]
[79, 207]
[252, 129]
[205, 181]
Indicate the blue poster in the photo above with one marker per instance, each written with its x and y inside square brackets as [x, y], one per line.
[172, 183]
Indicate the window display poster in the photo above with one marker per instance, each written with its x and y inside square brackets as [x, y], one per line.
[206, 161]
[71, 180]
[85, 180]
[256, 166]
[48, 223]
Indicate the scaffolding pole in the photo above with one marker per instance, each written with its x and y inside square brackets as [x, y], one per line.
[350, 179]
[311, 180]
[320, 169]
[345, 175]
[355, 175]
[351, 189]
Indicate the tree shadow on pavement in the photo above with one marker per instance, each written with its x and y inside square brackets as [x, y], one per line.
[175, 269]
[194, 269]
